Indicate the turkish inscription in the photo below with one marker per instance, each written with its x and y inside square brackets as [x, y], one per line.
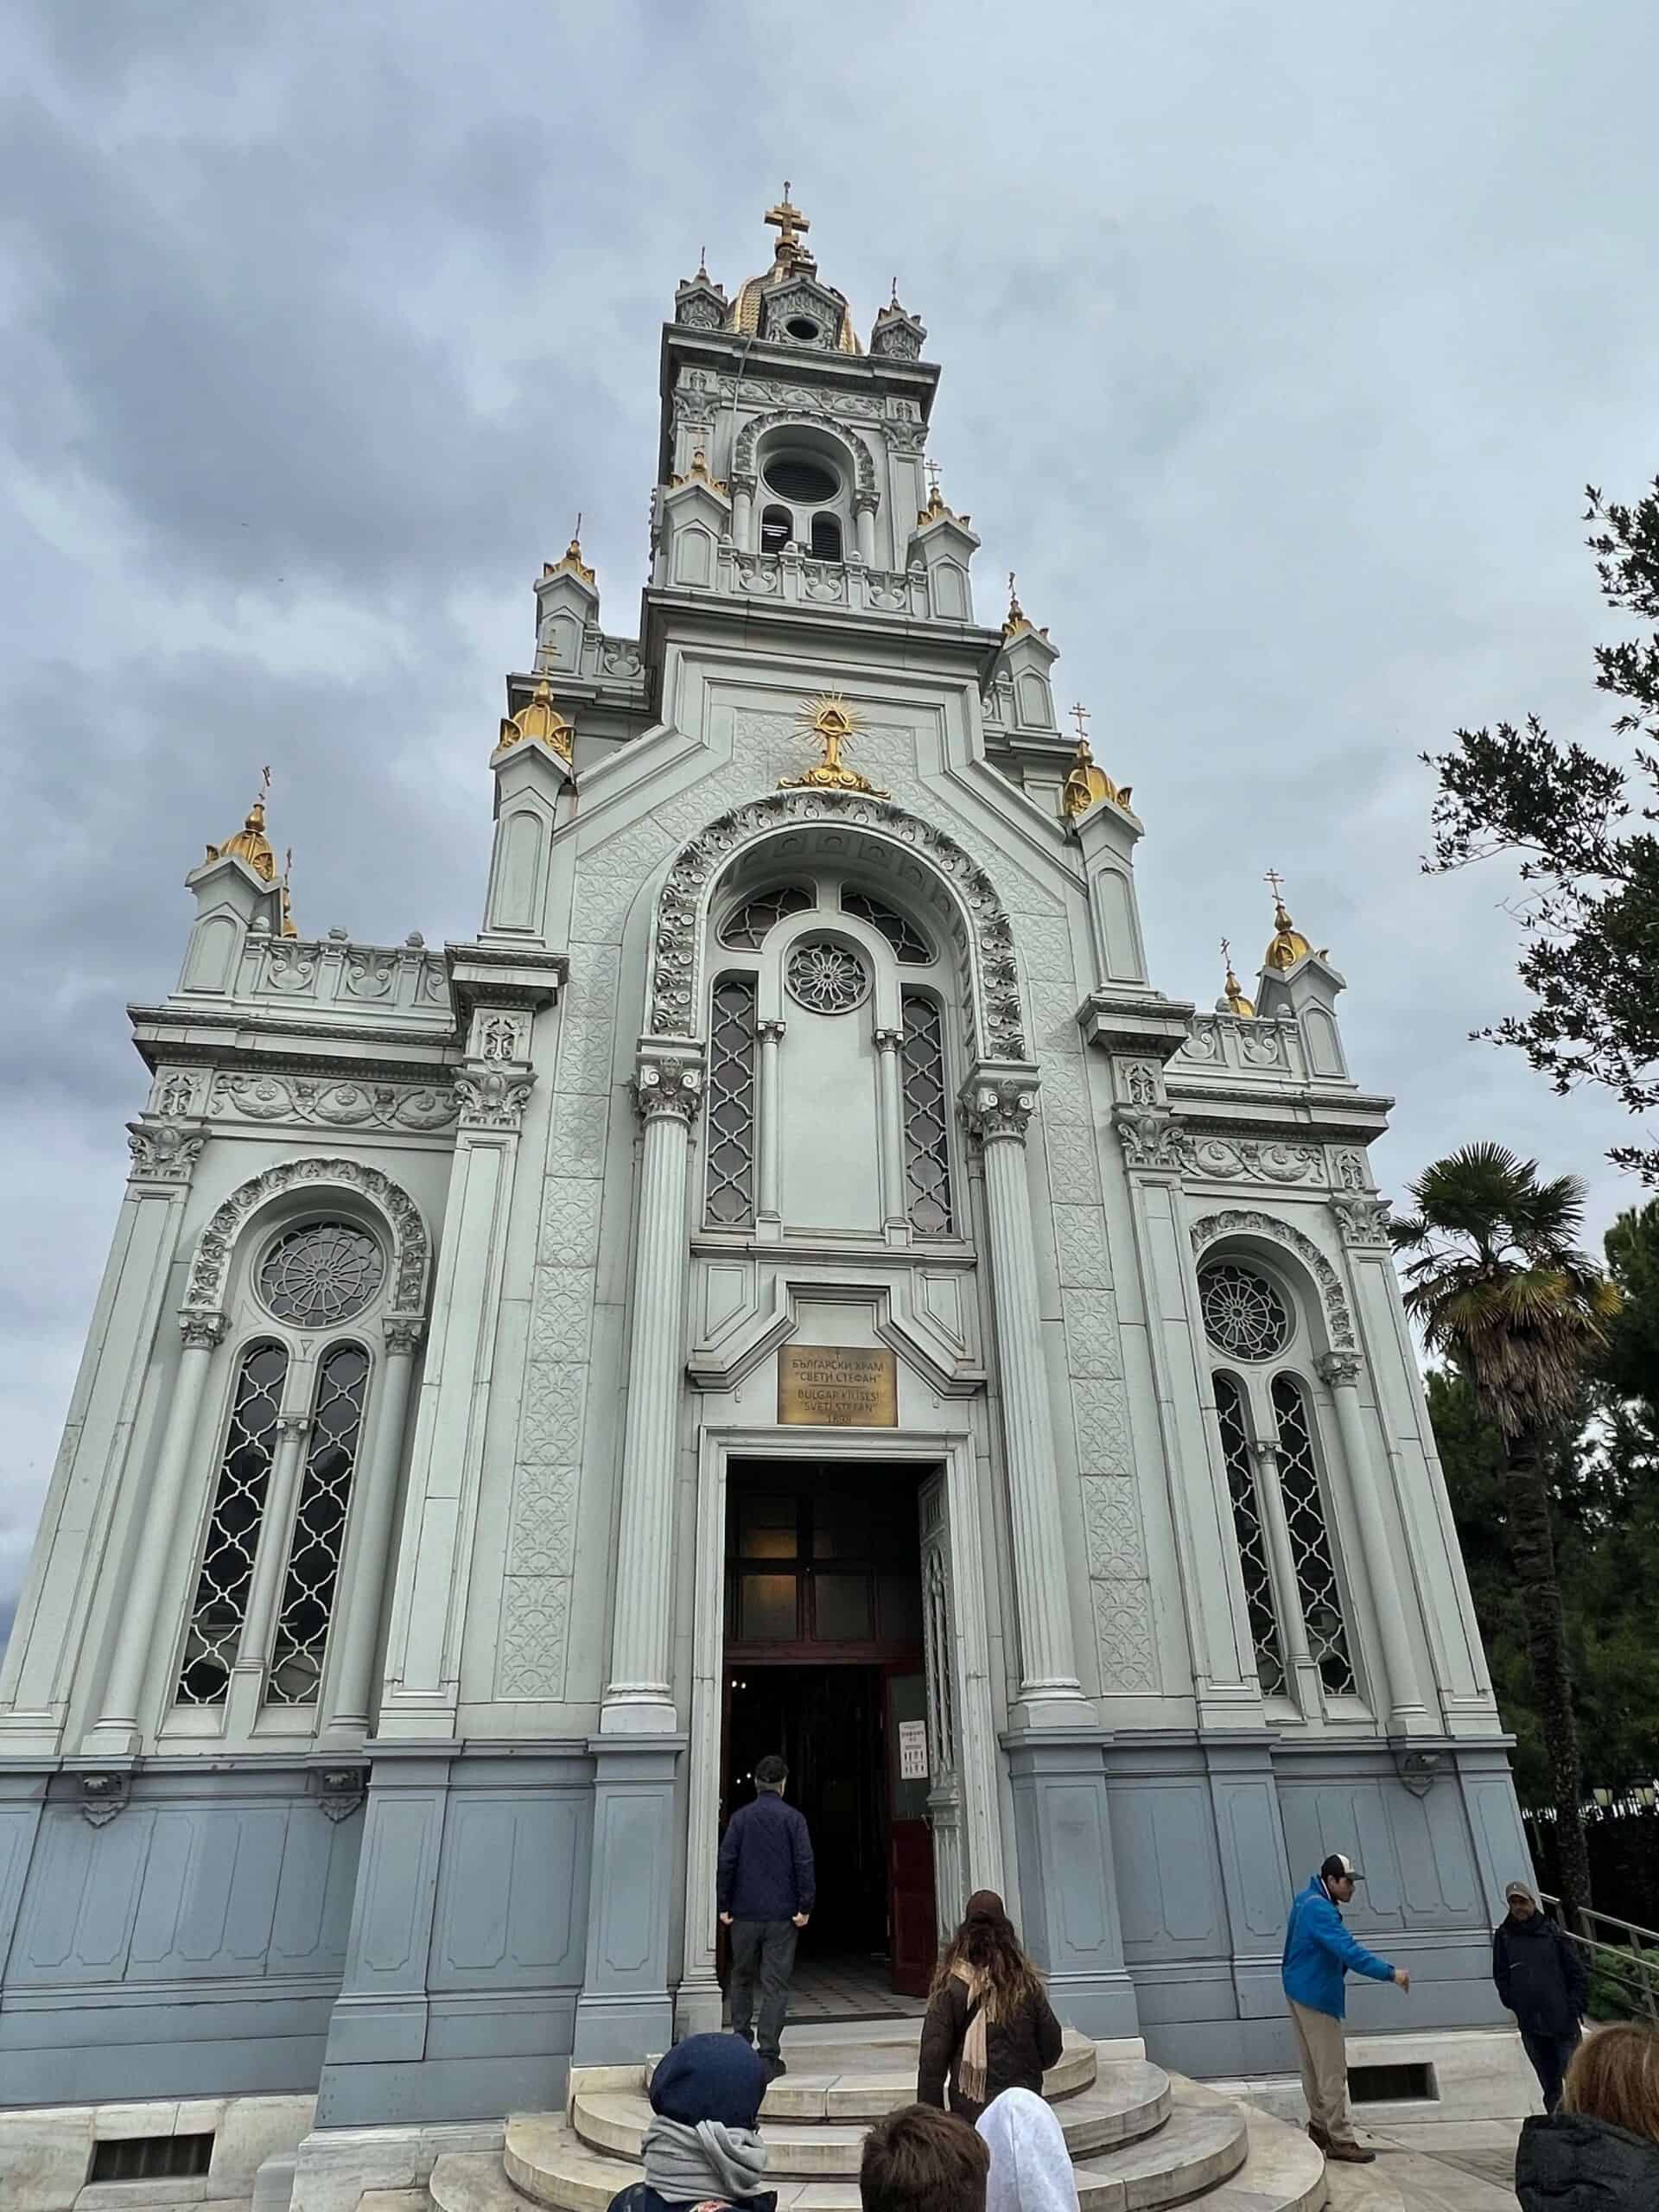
[838, 1386]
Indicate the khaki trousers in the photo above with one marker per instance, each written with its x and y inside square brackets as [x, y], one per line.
[1324, 2069]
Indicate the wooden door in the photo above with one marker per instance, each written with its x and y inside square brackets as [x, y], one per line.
[911, 1912]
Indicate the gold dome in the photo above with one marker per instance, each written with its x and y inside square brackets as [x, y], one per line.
[789, 255]
[1086, 784]
[1289, 945]
[539, 717]
[250, 844]
[1232, 998]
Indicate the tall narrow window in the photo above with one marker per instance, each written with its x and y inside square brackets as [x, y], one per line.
[777, 528]
[731, 1104]
[826, 539]
[221, 1600]
[1247, 1527]
[1309, 1540]
[312, 1581]
[927, 1127]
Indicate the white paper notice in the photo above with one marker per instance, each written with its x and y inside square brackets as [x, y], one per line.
[913, 1751]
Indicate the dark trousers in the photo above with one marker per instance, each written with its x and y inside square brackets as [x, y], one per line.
[1551, 2055]
[762, 1950]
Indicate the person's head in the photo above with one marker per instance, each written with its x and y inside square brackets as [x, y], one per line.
[1615, 2075]
[772, 1773]
[1339, 1874]
[1521, 1903]
[986, 1941]
[921, 2159]
[1031, 2167]
[710, 2077]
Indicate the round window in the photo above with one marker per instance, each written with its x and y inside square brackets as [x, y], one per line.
[323, 1273]
[1243, 1314]
[826, 978]
[802, 477]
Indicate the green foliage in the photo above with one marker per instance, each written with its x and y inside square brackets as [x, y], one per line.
[1625, 1983]
[1576, 823]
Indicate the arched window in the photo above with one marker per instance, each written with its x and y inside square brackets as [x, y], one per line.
[1310, 1541]
[777, 528]
[746, 928]
[826, 537]
[1247, 1528]
[926, 1117]
[214, 1634]
[312, 1579]
[730, 1199]
[908, 944]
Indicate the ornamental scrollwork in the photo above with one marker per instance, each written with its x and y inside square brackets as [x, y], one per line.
[668, 1088]
[1363, 1219]
[1150, 1136]
[404, 1333]
[1251, 1160]
[1001, 1106]
[162, 1153]
[492, 1096]
[409, 1247]
[342, 1105]
[1338, 1320]
[676, 980]
[203, 1331]
[743, 454]
[1339, 1368]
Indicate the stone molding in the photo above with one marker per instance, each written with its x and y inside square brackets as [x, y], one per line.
[340, 1105]
[998, 1103]
[203, 1331]
[666, 1084]
[1338, 1320]
[1250, 1160]
[1150, 1136]
[1363, 1219]
[1338, 1368]
[493, 1095]
[403, 1334]
[410, 1248]
[163, 1152]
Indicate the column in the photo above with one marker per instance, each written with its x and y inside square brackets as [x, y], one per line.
[1340, 1369]
[890, 1121]
[768, 1196]
[742, 512]
[1001, 1101]
[864, 525]
[1299, 1657]
[155, 1538]
[269, 1558]
[363, 1578]
[668, 1090]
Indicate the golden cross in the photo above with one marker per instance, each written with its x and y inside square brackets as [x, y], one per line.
[788, 220]
[1080, 714]
[933, 467]
[1276, 881]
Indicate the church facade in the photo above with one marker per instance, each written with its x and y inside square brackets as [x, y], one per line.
[794, 1280]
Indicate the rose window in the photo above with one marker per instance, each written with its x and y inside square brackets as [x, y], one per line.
[827, 978]
[324, 1272]
[1243, 1314]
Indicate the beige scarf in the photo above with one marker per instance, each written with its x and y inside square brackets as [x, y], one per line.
[971, 2069]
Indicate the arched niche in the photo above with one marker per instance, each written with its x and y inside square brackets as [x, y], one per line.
[1327, 1300]
[410, 1246]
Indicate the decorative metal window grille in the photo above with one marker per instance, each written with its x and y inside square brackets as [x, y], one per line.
[745, 929]
[731, 1104]
[1310, 1539]
[221, 1598]
[937, 1627]
[909, 945]
[314, 1554]
[1243, 1314]
[1252, 1544]
[827, 977]
[927, 1120]
[322, 1274]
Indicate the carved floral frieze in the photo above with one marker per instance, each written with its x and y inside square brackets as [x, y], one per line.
[339, 1105]
[1250, 1160]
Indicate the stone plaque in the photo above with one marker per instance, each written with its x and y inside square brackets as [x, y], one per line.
[838, 1386]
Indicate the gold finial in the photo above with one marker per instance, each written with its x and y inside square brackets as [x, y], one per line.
[573, 563]
[287, 927]
[251, 843]
[1018, 620]
[698, 473]
[1086, 784]
[1288, 945]
[937, 509]
[832, 721]
[702, 264]
[1232, 998]
[789, 224]
[539, 717]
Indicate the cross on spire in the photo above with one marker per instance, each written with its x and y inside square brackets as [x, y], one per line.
[1080, 714]
[1227, 953]
[788, 220]
[932, 468]
[1276, 883]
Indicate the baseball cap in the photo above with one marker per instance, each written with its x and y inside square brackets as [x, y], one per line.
[1519, 1890]
[1336, 1865]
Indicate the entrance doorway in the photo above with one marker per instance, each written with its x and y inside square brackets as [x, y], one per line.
[824, 1664]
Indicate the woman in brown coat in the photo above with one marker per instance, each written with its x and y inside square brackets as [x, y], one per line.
[989, 2026]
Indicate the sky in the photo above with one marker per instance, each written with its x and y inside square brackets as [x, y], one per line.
[1278, 344]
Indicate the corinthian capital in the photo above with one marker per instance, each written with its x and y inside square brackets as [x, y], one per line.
[1339, 1368]
[1150, 1136]
[668, 1086]
[163, 1152]
[492, 1096]
[203, 1331]
[999, 1099]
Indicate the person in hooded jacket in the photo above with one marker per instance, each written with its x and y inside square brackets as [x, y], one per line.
[702, 2146]
[1031, 2167]
[1541, 1977]
[1601, 2150]
[990, 2025]
[1319, 1954]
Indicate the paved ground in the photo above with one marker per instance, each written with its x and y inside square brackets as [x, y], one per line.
[1440, 2166]
[850, 1988]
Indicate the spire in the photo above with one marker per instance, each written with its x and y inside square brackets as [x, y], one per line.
[1018, 620]
[287, 927]
[1232, 998]
[540, 717]
[1288, 945]
[250, 844]
[791, 225]
[1086, 784]
[573, 563]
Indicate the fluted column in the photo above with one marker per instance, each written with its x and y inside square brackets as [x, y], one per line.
[1299, 1656]
[770, 1131]
[638, 1699]
[156, 1538]
[265, 1588]
[999, 1101]
[363, 1579]
[1340, 1369]
[889, 1106]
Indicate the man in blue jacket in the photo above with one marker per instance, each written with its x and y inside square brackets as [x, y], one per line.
[765, 1890]
[1319, 1952]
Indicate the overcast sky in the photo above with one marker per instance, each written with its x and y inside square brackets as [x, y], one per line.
[1278, 344]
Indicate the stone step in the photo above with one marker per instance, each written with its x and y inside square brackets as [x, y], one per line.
[1283, 2172]
[1205, 2140]
[826, 2139]
[860, 2081]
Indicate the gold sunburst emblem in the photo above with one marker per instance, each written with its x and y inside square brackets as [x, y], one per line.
[832, 721]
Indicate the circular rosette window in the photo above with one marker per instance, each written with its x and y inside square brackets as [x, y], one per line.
[326, 1272]
[827, 977]
[1243, 1314]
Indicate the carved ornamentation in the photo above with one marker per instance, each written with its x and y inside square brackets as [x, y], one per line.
[1348, 1169]
[1001, 1107]
[409, 1247]
[175, 1094]
[1338, 1320]
[1339, 1368]
[289, 968]
[743, 455]
[203, 1331]
[492, 1096]
[677, 981]
[370, 975]
[162, 1153]
[1150, 1136]
[499, 1036]
[1123, 1636]
[1247, 1161]
[1140, 1083]
[403, 1334]
[1363, 1219]
[103, 1795]
[338, 1790]
[664, 1087]
[342, 1105]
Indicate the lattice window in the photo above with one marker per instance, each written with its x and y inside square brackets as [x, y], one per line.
[1310, 1539]
[1252, 1543]
[311, 1582]
[940, 1702]
[322, 1274]
[1243, 1314]
[827, 977]
[731, 1104]
[745, 929]
[909, 945]
[221, 1598]
[927, 1118]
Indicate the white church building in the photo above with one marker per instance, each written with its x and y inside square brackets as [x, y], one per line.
[793, 1280]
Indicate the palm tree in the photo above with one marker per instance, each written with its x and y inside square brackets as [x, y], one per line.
[1496, 1283]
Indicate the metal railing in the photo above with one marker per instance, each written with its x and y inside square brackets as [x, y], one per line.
[1630, 1963]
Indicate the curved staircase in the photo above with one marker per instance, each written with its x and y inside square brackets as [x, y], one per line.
[1139, 2138]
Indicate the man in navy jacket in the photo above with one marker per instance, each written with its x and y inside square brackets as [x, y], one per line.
[1319, 1953]
[765, 1890]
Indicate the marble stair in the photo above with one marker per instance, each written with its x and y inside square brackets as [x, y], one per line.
[1139, 2138]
